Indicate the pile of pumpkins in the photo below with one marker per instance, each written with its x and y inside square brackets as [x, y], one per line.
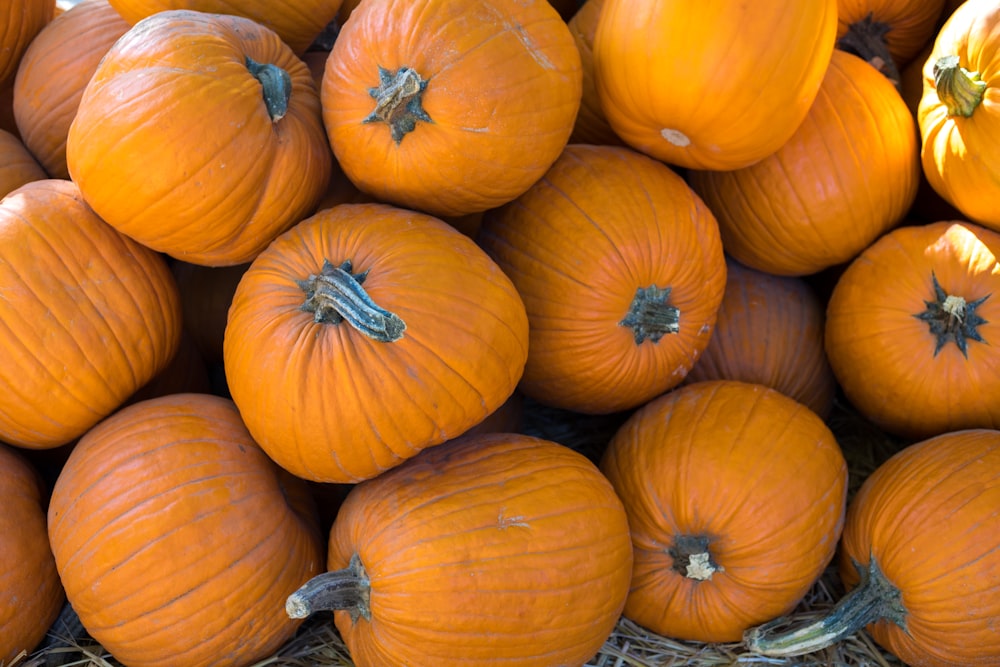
[273, 288]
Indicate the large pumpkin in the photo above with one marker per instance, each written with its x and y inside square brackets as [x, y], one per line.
[735, 497]
[489, 550]
[89, 315]
[200, 136]
[711, 85]
[17, 165]
[911, 329]
[177, 539]
[920, 556]
[366, 333]
[21, 21]
[621, 270]
[450, 107]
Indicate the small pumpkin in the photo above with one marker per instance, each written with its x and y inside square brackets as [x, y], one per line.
[490, 549]
[735, 496]
[200, 136]
[17, 165]
[21, 20]
[450, 108]
[29, 583]
[920, 557]
[911, 329]
[360, 308]
[621, 271]
[177, 539]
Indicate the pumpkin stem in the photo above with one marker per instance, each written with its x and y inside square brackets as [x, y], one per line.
[342, 590]
[277, 85]
[952, 318]
[960, 90]
[866, 39]
[874, 599]
[692, 557]
[398, 101]
[650, 315]
[336, 295]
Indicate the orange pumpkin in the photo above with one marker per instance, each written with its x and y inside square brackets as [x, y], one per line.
[53, 73]
[89, 316]
[769, 331]
[711, 85]
[958, 116]
[492, 549]
[735, 496]
[17, 165]
[450, 108]
[848, 174]
[621, 271]
[888, 34]
[200, 136]
[911, 329]
[920, 556]
[29, 582]
[206, 293]
[21, 21]
[366, 333]
[591, 126]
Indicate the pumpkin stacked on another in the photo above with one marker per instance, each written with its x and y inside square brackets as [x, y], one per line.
[17, 165]
[21, 21]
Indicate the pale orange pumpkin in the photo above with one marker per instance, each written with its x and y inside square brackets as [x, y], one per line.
[17, 165]
[21, 21]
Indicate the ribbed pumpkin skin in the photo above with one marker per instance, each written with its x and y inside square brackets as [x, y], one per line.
[490, 550]
[848, 174]
[928, 518]
[604, 222]
[591, 126]
[911, 23]
[711, 85]
[503, 88]
[755, 472]
[769, 331]
[177, 539]
[17, 165]
[53, 73]
[29, 583]
[173, 144]
[331, 404]
[21, 21]
[88, 316]
[883, 356]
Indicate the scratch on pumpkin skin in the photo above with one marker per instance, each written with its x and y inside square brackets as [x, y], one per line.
[505, 522]
[529, 44]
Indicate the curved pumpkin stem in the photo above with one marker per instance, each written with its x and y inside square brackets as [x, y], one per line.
[398, 101]
[960, 90]
[277, 85]
[874, 599]
[335, 295]
[342, 590]
[866, 39]
[651, 315]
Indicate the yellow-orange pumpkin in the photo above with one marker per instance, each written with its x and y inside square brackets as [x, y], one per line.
[17, 165]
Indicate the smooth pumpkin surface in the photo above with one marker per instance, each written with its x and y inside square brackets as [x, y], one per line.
[735, 497]
[711, 85]
[336, 392]
[88, 315]
[591, 127]
[175, 144]
[17, 165]
[177, 539]
[21, 21]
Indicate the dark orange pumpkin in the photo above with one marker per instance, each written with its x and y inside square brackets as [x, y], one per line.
[591, 126]
[200, 136]
[366, 333]
[450, 107]
[88, 315]
[17, 165]
[735, 497]
[488, 550]
[206, 293]
[177, 539]
[21, 21]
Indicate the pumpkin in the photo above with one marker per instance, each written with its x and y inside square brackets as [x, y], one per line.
[206, 293]
[710, 85]
[450, 108]
[187, 372]
[769, 331]
[89, 315]
[491, 549]
[957, 115]
[53, 72]
[591, 126]
[29, 582]
[17, 165]
[910, 333]
[21, 21]
[358, 308]
[920, 557]
[848, 174]
[621, 271]
[200, 136]
[177, 539]
[735, 496]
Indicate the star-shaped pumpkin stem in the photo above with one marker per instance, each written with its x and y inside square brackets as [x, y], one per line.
[651, 315]
[398, 101]
[952, 318]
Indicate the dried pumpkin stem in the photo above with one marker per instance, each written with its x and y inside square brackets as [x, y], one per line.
[950, 317]
[342, 590]
[960, 90]
[867, 40]
[651, 314]
[874, 599]
[335, 295]
[398, 101]
[276, 84]
[692, 557]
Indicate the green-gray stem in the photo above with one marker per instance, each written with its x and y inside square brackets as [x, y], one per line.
[960, 90]
[335, 295]
[342, 590]
[867, 39]
[276, 84]
[651, 314]
[398, 101]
